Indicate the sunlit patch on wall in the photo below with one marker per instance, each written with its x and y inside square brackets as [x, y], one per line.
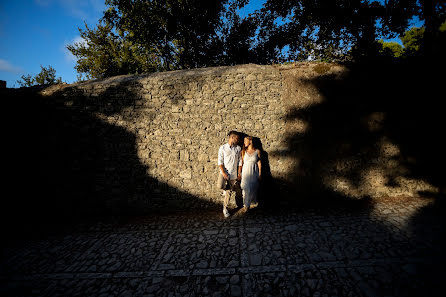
[344, 186]
[378, 176]
[297, 126]
[388, 149]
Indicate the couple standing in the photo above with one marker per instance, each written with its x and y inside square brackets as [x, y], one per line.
[239, 165]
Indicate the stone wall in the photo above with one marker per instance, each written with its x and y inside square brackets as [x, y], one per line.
[148, 138]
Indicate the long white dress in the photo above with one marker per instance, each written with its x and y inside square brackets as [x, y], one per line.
[250, 178]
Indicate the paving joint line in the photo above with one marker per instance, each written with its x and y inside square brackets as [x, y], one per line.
[295, 268]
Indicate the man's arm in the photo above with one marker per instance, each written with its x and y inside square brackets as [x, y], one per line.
[223, 172]
[221, 163]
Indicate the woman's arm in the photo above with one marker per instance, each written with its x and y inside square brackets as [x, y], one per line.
[240, 166]
[259, 164]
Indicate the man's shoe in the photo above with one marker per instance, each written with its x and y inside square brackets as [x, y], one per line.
[226, 212]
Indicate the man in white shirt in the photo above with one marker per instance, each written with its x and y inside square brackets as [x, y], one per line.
[229, 164]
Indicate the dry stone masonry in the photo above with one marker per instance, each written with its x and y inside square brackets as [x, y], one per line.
[179, 119]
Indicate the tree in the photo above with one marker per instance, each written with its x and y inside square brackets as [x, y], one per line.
[47, 76]
[238, 37]
[181, 33]
[26, 81]
[103, 53]
[331, 29]
[413, 43]
[412, 40]
[391, 49]
[433, 12]
[137, 36]
[146, 36]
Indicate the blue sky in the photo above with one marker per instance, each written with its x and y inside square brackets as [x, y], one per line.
[36, 32]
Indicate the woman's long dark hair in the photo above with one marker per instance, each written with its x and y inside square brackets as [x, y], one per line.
[243, 146]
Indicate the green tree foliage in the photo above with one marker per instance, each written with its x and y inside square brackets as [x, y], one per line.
[391, 49]
[136, 36]
[26, 81]
[331, 29]
[237, 37]
[181, 33]
[47, 76]
[412, 40]
[413, 43]
[145, 36]
[103, 53]
[417, 44]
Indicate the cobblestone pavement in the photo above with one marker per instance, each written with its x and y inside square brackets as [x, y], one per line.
[392, 248]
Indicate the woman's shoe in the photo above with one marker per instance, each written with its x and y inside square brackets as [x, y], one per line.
[226, 212]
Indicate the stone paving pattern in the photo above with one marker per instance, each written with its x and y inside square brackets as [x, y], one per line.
[389, 249]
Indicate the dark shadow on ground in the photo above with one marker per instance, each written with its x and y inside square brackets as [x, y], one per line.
[430, 271]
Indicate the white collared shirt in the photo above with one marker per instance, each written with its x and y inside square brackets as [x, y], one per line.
[229, 157]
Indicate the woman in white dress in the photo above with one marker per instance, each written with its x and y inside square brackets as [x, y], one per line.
[251, 172]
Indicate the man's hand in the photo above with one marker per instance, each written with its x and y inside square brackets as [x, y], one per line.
[225, 176]
[239, 177]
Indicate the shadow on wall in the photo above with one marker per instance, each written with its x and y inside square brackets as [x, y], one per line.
[76, 165]
[376, 131]
[266, 184]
